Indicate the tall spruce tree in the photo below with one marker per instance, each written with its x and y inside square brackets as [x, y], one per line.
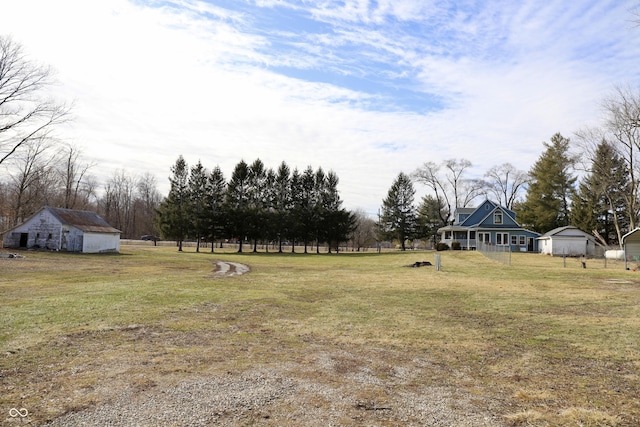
[270, 213]
[319, 208]
[215, 205]
[430, 212]
[601, 204]
[306, 208]
[548, 200]
[257, 202]
[197, 206]
[237, 199]
[282, 204]
[337, 222]
[398, 217]
[173, 218]
[296, 194]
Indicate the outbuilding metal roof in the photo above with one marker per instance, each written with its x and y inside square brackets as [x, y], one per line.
[86, 221]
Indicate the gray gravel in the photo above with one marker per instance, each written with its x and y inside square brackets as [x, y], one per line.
[280, 397]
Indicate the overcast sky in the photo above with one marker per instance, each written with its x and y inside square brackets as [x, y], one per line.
[365, 88]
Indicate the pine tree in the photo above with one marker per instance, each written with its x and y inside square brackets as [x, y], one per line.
[237, 199]
[173, 212]
[197, 206]
[257, 202]
[547, 204]
[398, 218]
[430, 212]
[305, 207]
[336, 222]
[215, 204]
[296, 193]
[602, 201]
[282, 204]
[269, 216]
[320, 208]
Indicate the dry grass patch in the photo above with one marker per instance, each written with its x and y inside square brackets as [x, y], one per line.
[352, 338]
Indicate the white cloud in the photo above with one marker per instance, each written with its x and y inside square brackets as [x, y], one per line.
[194, 78]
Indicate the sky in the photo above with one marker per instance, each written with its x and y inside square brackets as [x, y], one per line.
[366, 88]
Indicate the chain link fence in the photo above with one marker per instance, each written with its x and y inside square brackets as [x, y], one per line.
[499, 253]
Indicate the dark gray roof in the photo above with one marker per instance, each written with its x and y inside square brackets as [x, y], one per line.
[87, 221]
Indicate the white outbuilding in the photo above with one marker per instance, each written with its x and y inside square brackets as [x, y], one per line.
[64, 230]
[631, 248]
[569, 241]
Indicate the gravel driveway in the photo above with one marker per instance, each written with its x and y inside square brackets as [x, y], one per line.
[286, 396]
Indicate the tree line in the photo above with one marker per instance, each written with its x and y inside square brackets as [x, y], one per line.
[256, 205]
[592, 183]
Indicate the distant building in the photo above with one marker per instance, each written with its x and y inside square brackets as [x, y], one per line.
[488, 224]
[631, 247]
[64, 230]
[569, 241]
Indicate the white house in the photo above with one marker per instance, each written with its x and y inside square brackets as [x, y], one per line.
[64, 230]
[569, 241]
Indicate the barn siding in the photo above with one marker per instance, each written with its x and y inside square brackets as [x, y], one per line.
[45, 230]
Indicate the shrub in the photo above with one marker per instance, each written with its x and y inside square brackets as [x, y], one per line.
[456, 246]
[441, 246]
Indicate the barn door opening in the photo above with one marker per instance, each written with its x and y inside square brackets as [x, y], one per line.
[24, 240]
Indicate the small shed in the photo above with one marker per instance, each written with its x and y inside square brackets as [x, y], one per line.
[631, 248]
[569, 241]
[64, 230]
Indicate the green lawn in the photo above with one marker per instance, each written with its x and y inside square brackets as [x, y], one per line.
[542, 342]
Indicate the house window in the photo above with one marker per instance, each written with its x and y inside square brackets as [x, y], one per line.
[502, 238]
[522, 240]
[497, 218]
[484, 238]
[514, 240]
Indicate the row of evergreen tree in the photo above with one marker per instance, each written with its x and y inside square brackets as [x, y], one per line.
[256, 205]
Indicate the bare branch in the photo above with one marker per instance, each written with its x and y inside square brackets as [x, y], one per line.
[25, 113]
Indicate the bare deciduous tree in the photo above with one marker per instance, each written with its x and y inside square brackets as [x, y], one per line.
[450, 188]
[148, 199]
[364, 233]
[31, 179]
[76, 188]
[621, 130]
[622, 111]
[117, 203]
[26, 113]
[506, 182]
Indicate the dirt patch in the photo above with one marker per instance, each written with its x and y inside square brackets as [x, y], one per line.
[228, 269]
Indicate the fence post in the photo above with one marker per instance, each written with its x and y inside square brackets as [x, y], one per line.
[437, 260]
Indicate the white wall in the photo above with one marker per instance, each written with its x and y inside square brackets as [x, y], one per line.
[101, 242]
[569, 247]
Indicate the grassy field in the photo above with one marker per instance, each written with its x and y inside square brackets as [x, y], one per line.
[541, 342]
